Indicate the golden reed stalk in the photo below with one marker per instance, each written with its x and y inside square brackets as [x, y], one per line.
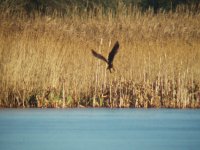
[46, 61]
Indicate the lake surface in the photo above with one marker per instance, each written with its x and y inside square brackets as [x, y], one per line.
[99, 129]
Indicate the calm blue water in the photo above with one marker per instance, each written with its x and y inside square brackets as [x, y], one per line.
[99, 129]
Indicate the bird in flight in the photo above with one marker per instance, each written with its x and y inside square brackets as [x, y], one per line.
[111, 56]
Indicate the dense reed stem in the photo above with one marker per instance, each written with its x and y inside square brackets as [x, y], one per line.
[46, 61]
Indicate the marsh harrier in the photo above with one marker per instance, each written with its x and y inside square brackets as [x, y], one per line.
[111, 56]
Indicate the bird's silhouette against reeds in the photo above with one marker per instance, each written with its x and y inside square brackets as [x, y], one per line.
[111, 56]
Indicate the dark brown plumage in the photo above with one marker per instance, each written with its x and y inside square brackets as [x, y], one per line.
[111, 56]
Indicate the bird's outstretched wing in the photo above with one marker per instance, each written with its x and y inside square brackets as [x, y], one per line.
[113, 52]
[99, 56]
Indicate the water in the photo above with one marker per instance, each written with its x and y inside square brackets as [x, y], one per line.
[99, 129]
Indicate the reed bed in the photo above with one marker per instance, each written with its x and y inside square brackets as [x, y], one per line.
[45, 61]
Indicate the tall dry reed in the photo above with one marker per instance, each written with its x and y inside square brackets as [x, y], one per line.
[46, 61]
